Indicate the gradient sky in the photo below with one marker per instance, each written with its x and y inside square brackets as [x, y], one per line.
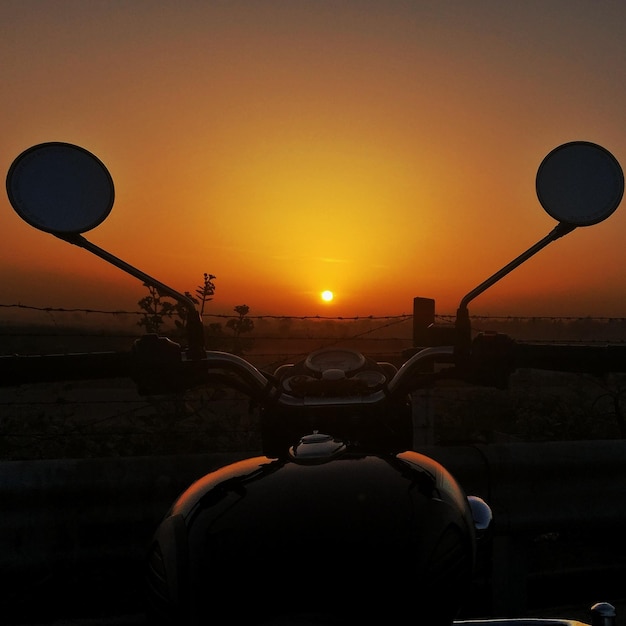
[379, 149]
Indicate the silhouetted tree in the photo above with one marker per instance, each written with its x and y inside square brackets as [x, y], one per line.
[155, 309]
[240, 325]
[206, 290]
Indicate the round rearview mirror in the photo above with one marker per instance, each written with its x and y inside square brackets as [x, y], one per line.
[60, 188]
[580, 183]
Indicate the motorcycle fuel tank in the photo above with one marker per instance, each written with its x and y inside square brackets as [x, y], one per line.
[323, 533]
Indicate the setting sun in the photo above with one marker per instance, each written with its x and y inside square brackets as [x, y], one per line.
[358, 148]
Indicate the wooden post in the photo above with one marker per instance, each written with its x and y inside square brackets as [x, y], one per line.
[423, 317]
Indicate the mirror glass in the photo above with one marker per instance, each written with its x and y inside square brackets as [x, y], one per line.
[580, 183]
[60, 188]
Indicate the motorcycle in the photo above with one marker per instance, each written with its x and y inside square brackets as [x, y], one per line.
[339, 519]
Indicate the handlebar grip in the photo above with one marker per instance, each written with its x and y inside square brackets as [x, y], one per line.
[591, 359]
[494, 356]
[20, 369]
[155, 364]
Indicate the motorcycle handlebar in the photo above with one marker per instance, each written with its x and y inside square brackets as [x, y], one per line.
[25, 369]
[599, 359]
[158, 365]
[495, 356]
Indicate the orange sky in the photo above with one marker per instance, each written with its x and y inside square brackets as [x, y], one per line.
[382, 150]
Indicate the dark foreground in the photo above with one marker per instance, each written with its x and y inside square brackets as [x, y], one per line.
[577, 613]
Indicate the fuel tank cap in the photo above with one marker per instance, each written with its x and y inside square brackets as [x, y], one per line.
[316, 447]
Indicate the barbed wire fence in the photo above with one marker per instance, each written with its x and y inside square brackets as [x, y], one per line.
[53, 421]
[279, 338]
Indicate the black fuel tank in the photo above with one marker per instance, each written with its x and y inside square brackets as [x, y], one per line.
[325, 532]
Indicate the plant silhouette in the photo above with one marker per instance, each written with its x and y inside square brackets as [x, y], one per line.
[240, 325]
[157, 307]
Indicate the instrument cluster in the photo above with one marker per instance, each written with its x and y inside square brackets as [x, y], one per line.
[334, 372]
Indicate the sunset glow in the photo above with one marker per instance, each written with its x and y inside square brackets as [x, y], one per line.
[327, 296]
[386, 149]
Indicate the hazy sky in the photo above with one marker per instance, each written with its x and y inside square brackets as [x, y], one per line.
[382, 150]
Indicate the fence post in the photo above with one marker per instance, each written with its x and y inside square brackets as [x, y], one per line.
[423, 317]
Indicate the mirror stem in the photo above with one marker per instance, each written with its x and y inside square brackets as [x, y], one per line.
[195, 329]
[462, 324]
